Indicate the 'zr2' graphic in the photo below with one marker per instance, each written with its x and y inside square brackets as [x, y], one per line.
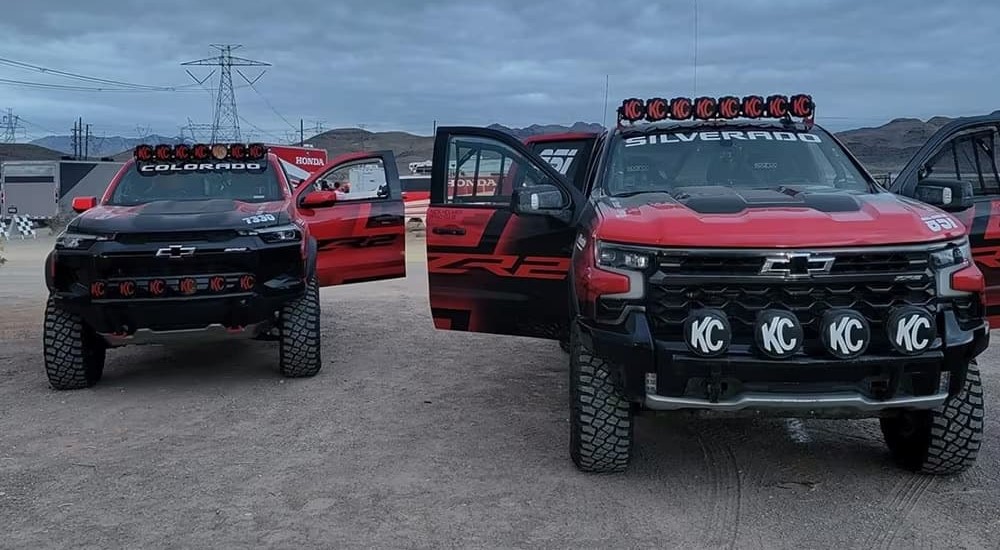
[529, 267]
[358, 242]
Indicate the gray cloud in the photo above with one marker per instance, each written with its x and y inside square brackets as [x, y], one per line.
[402, 65]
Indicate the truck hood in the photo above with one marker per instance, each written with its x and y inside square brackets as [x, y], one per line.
[159, 216]
[700, 217]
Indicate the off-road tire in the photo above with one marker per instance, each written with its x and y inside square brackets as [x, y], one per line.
[299, 341]
[74, 353]
[600, 415]
[944, 440]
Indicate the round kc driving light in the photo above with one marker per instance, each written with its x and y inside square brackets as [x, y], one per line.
[778, 333]
[911, 330]
[845, 333]
[707, 332]
[219, 151]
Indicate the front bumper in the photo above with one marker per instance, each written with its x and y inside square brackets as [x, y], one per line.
[664, 375]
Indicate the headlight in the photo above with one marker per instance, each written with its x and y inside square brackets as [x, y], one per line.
[621, 258]
[955, 254]
[78, 241]
[279, 234]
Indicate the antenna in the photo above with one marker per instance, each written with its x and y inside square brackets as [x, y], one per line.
[695, 92]
[226, 121]
[607, 85]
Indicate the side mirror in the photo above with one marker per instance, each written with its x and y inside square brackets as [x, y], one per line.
[539, 199]
[82, 204]
[319, 199]
[948, 195]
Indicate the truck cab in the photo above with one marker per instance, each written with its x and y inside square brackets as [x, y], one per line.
[723, 255]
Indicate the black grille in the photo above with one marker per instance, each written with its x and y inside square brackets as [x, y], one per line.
[669, 304]
[698, 263]
[265, 263]
[178, 237]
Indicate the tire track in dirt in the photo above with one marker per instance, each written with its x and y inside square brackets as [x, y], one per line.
[897, 507]
[726, 492]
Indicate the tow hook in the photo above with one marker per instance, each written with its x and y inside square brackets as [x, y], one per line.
[714, 384]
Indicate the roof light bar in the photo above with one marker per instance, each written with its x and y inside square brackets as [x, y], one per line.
[201, 151]
[708, 108]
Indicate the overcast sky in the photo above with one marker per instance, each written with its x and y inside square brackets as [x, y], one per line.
[402, 64]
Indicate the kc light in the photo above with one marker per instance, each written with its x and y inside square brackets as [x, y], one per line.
[620, 258]
[78, 241]
[956, 254]
[655, 109]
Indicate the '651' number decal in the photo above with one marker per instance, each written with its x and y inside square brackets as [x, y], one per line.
[940, 222]
[260, 218]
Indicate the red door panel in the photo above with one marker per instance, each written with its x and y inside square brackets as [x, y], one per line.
[361, 237]
[490, 269]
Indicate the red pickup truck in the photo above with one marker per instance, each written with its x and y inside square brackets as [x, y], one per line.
[727, 255]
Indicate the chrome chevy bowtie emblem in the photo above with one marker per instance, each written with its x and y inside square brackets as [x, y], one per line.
[797, 264]
[175, 251]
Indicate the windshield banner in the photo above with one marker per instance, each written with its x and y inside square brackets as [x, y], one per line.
[199, 167]
[687, 137]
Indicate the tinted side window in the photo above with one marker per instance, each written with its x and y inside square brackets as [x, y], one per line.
[970, 157]
[483, 171]
[569, 158]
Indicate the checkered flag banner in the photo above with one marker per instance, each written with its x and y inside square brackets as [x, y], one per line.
[25, 227]
[4, 229]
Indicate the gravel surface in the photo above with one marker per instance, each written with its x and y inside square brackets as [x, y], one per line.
[416, 438]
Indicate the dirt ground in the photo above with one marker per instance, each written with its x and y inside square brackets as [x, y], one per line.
[416, 438]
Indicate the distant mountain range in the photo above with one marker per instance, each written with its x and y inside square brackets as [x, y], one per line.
[882, 149]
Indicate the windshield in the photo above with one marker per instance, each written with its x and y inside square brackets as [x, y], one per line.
[732, 156]
[220, 182]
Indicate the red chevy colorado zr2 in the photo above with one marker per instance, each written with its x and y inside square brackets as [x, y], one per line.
[720, 254]
[214, 241]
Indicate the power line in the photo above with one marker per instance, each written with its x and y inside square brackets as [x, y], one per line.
[86, 78]
[73, 88]
[275, 111]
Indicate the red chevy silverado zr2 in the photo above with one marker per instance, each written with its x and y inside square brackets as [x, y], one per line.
[726, 255]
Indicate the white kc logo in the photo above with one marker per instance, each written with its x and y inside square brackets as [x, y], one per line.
[773, 333]
[701, 335]
[840, 335]
[906, 332]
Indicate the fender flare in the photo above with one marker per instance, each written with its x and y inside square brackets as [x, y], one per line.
[49, 260]
[311, 253]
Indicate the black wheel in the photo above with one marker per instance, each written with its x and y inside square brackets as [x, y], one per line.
[74, 354]
[944, 440]
[299, 347]
[600, 415]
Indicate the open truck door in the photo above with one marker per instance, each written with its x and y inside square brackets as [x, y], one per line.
[964, 151]
[354, 209]
[500, 231]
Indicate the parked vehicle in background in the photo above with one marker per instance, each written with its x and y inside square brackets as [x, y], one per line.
[718, 255]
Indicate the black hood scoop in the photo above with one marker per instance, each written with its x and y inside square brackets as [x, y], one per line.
[715, 199]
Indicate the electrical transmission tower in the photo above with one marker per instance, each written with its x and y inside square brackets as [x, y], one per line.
[226, 121]
[195, 131]
[10, 124]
